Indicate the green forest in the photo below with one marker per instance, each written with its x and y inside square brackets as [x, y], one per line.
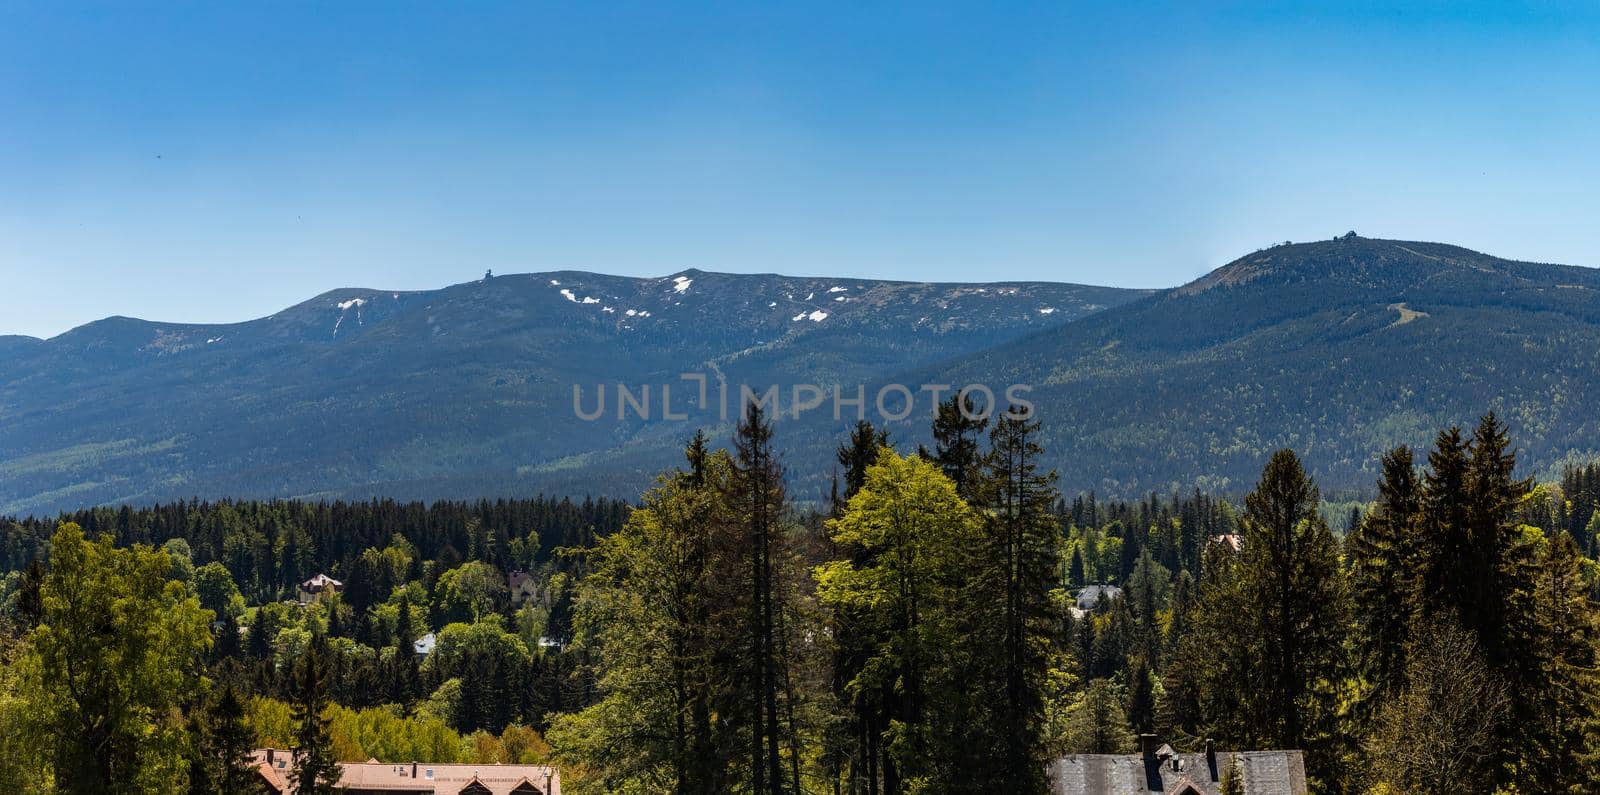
[922, 631]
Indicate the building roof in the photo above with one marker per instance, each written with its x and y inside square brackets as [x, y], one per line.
[432, 779]
[424, 644]
[1091, 595]
[319, 582]
[1263, 772]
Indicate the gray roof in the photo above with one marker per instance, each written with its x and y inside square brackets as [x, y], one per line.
[1264, 773]
[1092, 594]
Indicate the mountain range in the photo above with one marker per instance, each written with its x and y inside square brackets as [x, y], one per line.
[1338, 348]
[462, 391]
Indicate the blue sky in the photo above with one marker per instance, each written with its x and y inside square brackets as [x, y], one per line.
[219, 161]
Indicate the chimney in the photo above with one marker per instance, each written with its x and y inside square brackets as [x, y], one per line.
[1211, 758]
[413, 769]
[1147, 747]
[270, 755]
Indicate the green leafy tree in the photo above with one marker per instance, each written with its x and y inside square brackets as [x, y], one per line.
[470, 591]
[909, 594]
[117, 646]
[217, 591]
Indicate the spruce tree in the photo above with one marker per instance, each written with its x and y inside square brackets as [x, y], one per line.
[1293, 596]
[957, 430]
[759, 497]
[1383, 555]
[1142, 699]
[1442, 585]
[1021, 559]
[1566, 699]
[315, 771]
[225, 743]
[407, 676]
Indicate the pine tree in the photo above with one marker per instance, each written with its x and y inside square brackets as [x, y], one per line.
[1442, 585]
[1020, 561]
[1142, 699]
[1291, 596]
[406, 681]
[957, 429]
[315, 771]
[224, 743]
[1384, 556]
[759, 498]
[1567, 679]
[1075, 571]
[1096, 723]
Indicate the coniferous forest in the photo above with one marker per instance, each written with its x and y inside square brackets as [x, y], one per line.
[930, 627]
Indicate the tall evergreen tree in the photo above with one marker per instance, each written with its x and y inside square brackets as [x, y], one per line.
[957, 430]
[223, 743]
[407, 677]
[1021, 559]
[1287, 599]
[315, 771]
[1383, 558]
[759, 497]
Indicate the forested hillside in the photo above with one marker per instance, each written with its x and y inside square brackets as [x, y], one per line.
[920, 634]
[462, 392]
[1339, 349]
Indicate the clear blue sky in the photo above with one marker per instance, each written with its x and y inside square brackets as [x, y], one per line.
[216, 161]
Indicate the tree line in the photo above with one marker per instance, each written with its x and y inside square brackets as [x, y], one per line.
[931, 628]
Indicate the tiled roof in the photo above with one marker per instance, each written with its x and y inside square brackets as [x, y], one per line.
[421, 777]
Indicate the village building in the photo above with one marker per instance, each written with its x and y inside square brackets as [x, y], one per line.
[523, 588]
[1088, 598]
[415, 778]
[318, 588]
[1157, 768]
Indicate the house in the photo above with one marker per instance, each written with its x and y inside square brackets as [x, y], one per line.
[1089, 597]
[423, 646]
[1157, 768]
[319, 587]
[523, 588]
[415, 778]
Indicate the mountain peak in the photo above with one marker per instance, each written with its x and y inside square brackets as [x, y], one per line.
[1351, 260]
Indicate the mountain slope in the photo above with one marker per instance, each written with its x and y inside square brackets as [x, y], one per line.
[1339, 349]
[463, 391]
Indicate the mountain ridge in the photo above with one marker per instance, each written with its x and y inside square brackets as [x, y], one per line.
[357, 387]
[1338, 348]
